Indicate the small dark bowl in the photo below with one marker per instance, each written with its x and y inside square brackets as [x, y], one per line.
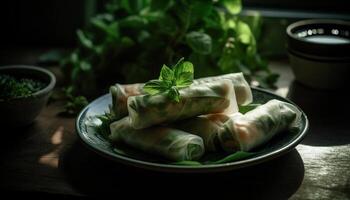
[22, 111]
[319, 52]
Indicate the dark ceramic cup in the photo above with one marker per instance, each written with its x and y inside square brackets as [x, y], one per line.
[20, 112]
[319, 52]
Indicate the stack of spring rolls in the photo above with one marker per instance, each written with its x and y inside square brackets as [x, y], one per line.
[206, 119]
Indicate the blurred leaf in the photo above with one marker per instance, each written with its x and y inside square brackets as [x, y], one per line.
[75, 105]
[231, 24]
[54, 56]
[74, 58]
[271, 79]
[85, 66]
[133, 21]
[112, 30]
[87, 43]
[200, 42]
[200, 9]
[136, 6]
[243, 33]
[75, 73]
[243, 68]
[125, 5]
[144, 35]
[127, 42]
[255, 21]
[161, 4]
[233, 6]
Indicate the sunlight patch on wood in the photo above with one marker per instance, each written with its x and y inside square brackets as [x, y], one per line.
[50, 159]
[57, 136]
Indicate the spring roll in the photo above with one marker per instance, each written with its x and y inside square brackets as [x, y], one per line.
[215, 97]
[242, 89]
[207, 127]
[256, 127]
[120, 93]
[169, 143]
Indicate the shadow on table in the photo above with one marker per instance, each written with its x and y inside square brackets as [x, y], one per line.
[328, 113]
[94, 175]
[12, 137]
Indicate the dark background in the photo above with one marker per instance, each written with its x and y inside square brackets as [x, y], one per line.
[43, 23]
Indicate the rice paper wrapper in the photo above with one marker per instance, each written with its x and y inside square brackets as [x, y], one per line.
[256, 127]
[214, 97]
[170, 143]
[242, 89]
[120, 92]
[207, 127]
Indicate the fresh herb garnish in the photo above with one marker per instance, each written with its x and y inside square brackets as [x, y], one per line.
[171, 80]
[74, 103]
[218, 158]
[12, 87]
[106, 119]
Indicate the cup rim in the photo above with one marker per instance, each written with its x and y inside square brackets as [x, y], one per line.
[314, 22]
[334, 50]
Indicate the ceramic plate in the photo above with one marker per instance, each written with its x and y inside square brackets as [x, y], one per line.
[279, 145]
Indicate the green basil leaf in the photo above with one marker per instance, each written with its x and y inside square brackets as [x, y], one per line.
[166, 74]
[174, 94]
[200, 43]
[183, 72]
[183, 67]
[233, 6]
[154, 87]
[185, 79]
[239, 155]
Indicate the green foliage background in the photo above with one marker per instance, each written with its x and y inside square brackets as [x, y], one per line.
[132, 39]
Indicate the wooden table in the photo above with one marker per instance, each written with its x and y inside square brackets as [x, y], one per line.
[47, 158]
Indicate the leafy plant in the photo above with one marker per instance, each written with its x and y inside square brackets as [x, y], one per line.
[132, 38]
[171, 80]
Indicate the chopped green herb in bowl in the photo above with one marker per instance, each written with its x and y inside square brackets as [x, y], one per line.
[12, 87]
[24, 93]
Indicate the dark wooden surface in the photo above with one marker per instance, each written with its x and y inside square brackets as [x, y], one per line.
[48, 158]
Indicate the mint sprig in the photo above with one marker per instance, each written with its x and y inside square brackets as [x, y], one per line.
[171, 80]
